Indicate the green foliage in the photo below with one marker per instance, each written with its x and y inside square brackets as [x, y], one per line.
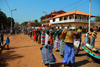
[24, 23]
[16, 24]
[97, 19]
[9, 22]
[42, 22]
[3, 18]
[35, 23]
[6, 21]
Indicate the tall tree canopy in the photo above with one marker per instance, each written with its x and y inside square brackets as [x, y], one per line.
[3, 18]
[16, 24]
[5, 21]
[24, 23]
[35, 22]
[9, 22]
[97, 19]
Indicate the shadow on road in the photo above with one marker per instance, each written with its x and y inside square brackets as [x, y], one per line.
[80, 63]
[8, 56]
[56, 65]
[81, 55]
[19, 47]
[81, 49]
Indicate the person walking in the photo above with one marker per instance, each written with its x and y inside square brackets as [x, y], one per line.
[94, 36]
[7, 42]
[69, 56]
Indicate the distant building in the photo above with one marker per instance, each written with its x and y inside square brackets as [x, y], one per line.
[75, 19]
[30, 24]
[50, 16]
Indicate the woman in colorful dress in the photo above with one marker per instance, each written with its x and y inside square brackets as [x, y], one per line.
[47, 37]
[43, 37]
[34, 35]
[69, 56]
[57, 44]
[39, 36]
[62, 43]
[47, 54]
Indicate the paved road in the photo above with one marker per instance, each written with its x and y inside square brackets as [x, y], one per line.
[24, 52]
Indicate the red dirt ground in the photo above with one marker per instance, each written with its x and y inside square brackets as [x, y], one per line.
[24, 51]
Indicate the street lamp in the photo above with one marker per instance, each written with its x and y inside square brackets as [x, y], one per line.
[11, 16]
[46, 15]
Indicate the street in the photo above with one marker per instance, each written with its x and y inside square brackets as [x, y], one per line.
[25, 52]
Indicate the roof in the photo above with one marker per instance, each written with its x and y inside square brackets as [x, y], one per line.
[32, 21]
[29, 23]
[74, 12]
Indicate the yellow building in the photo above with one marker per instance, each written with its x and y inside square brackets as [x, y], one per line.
[75, 19]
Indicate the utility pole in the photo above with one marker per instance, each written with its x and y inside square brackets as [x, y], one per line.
[46, 16]
[11, 17]
[89, 16]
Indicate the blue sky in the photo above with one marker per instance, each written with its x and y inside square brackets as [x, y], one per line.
[29, 10]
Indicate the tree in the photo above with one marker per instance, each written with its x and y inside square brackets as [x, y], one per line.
[3, 19]
[9, 22]
[42, 22]
[16, 24]
[35, 22]
[24, 23]
[97, 19]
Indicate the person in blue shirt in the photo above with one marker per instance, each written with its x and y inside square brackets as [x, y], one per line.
[7, 42]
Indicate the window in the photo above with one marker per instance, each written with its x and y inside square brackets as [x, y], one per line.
[81, 17]
[53, 20]
[60, 19]
[87, 18]
[70, 17]
[65, 18]
[75, 17]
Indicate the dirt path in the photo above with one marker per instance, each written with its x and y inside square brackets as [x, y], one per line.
[24, 52]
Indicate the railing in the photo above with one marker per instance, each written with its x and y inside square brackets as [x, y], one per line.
[72, 20]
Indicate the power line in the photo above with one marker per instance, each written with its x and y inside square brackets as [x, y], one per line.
[79, 5]
[8, 5]
[72, 4]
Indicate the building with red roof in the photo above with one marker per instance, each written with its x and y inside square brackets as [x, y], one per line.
[50, 16]
[75, 19]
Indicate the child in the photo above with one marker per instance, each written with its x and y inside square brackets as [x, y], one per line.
[7, 42]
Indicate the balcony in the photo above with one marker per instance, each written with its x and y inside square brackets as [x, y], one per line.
[71, 20]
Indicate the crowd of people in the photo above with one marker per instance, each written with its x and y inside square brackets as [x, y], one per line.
[60, 40]
[65, 40]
